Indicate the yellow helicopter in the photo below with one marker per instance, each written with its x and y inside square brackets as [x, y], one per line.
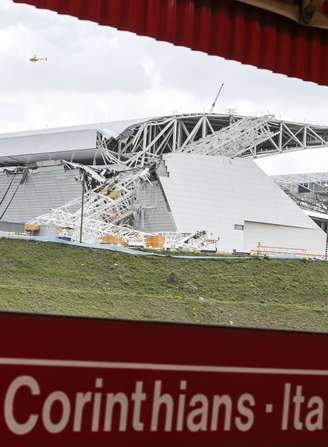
[35, 59]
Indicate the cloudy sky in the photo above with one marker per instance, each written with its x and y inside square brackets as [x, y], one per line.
[96, 74]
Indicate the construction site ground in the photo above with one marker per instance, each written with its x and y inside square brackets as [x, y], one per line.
[50, 278]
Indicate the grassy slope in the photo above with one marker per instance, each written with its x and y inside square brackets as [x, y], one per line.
[50, 278]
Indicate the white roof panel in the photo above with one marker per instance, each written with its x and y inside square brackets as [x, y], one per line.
[204, 192]
[77, 142]
[222, 195]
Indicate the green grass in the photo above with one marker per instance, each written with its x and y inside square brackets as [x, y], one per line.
[58, 279]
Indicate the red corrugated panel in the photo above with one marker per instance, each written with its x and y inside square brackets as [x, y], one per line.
[220, 27]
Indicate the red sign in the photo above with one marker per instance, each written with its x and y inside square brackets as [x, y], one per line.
[83, 382]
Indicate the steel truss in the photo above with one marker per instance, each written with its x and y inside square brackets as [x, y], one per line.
[106, 210]
[316, 202]
[240, 137]
[309, 191]
[145, 142]
[104, 207]
[312, 182]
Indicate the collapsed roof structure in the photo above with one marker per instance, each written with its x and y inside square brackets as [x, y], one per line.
[128, 188]
[158, 135]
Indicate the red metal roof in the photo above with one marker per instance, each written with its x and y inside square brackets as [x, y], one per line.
[224, 28]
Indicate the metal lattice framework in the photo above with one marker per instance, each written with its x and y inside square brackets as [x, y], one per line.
[310, 203]
[241, 136]
[104, 207]
[145, 142]
[309, 191]
[312, 182]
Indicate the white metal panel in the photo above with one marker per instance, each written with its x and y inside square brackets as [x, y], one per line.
[290, 239]
[115, 126]
[45, 188]
[217, 193]
[46, 144]
[153, 213]
[77, 142]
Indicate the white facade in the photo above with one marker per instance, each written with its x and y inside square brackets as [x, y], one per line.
[280, 239]
[237, 202]
[74, 143]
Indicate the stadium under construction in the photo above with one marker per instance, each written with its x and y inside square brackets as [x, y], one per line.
[182, 182]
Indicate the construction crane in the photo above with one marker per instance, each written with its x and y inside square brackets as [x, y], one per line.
[216, 98]
[36, 59]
